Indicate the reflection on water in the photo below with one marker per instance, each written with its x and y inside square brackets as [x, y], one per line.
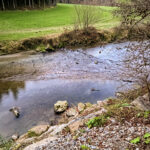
[10, 86]
[36, 100]
[55, 73]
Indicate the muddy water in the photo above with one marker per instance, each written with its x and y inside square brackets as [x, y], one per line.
[35, 82]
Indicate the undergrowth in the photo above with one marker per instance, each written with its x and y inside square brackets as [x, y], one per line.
[5, 144]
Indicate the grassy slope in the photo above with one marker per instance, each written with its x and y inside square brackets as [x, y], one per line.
[15, 25]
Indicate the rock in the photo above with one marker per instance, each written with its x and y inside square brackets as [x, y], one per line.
[142, 102]
[93, 89]
[42, 144]
[71, 112]
[38, 130]
[15, 111]
[75, 126]
[119, 94]
[81, 107]
[88, 105]
[60, 106]
[96, 62]
[102, 103]
[15, 137]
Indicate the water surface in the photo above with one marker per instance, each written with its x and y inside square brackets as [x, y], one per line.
[35, 82]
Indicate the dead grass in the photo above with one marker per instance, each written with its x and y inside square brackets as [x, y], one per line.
[72, 40]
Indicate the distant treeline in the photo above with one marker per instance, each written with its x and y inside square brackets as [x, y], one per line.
[94, 2]
[19, 4]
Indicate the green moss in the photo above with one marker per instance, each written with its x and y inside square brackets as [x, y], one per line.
[146, 114]
[146, 135]
[31, 134]
[82, 130]
[136, 140]
[147, 141]
[88, 105]
[84, 147]
[41, 48]
[5, 144]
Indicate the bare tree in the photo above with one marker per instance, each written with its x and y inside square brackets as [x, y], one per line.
[86, 15]
[135, 13]
[137, 64]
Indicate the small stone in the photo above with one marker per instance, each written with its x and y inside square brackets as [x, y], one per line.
[75, 126]
[101, 103]
[119, 94]
[15, 111]
[142, 102]
[88, 105]
[81, 107]
[60, 106]
[15, 137]
[38, 130]
[71, 112]
[96, 62]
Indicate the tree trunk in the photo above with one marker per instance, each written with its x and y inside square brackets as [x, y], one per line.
[39, 4]
[3, 5]
[44, 3]
[14, 4]
[25, 2]
[30, 3]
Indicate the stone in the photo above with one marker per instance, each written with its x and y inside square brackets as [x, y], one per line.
[93, 89]
[88, 105]
[75, 126]
[96, 62]
[142, 102]
[42, 144]
[38, 130]
[71, 112]
[60, 106]
[119, 94]
[102, 103]
[81, 107]
[15, 111]
[15, 137]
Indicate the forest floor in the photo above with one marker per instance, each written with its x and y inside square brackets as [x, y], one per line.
[19, 25]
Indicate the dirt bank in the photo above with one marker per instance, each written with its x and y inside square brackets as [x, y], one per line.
[72, 40]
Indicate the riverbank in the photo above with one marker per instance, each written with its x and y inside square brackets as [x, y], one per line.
[112, 123]
[82, 38]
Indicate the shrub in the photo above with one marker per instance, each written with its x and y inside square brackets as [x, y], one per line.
[97, 121]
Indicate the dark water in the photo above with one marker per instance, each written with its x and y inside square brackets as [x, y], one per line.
[36, 99]
[38, 81]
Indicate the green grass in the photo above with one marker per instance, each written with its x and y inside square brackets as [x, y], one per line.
[16, 25]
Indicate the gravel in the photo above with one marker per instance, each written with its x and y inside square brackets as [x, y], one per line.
[115, 136]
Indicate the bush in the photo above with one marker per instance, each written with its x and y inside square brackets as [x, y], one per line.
[97, 121]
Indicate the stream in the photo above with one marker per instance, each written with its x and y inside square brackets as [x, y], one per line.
[35, 82]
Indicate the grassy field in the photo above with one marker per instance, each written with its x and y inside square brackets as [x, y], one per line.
[16, 25]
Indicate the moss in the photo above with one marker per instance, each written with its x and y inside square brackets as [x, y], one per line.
[41, 48]
[5, 144]
[31, 134]
[136, 140]
[88, 105]
[84, 147]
